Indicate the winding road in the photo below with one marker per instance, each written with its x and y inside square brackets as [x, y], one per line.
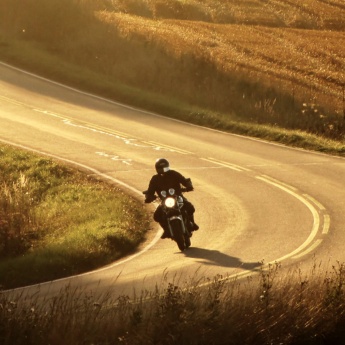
[255, 200]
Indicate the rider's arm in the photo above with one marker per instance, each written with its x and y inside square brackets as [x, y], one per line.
[186, 182]
[150, 193]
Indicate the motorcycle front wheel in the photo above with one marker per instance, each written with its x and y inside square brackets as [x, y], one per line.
[177, 229]
[187, 240]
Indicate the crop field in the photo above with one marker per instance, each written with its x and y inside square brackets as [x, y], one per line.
[271, 62]
[293, 13]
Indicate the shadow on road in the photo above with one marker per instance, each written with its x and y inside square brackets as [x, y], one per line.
[217, 258]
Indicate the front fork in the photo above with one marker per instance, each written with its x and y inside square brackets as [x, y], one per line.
[180, 218]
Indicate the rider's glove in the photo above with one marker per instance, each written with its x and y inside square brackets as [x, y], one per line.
[189, 185]
[149, 198]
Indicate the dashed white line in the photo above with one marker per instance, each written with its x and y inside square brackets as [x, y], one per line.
[318, 204]
[279, 182]
[225, 164]
[326, 224]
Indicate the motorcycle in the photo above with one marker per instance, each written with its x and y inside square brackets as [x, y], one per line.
[177, 218]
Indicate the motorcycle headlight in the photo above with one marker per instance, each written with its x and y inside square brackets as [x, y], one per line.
[169, 202]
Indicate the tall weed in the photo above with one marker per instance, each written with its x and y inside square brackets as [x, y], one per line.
[17, 220]
[199, 311]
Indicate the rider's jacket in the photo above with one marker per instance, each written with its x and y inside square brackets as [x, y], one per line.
[170, 179]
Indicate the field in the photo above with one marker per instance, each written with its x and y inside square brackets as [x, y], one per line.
[216, 63]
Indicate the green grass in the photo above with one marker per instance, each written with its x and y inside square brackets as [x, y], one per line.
[56, 221]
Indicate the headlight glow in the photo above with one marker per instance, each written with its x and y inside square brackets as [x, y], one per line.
[169, 202]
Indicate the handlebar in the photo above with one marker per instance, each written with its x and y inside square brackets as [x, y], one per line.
[183, 190]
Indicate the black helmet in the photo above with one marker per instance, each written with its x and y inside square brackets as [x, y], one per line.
[162, 165]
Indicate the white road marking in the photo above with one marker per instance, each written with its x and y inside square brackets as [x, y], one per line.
[127, 161]
[13, 101]
[46, 112]
[318, 204]
[314, 212]
[116, 134]
[326, 224]
[308, 250]
[225, 164]
[279, 182]
[159, 147]
[102, 130]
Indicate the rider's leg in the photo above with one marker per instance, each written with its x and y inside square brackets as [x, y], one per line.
[190, 209]
[159, 217]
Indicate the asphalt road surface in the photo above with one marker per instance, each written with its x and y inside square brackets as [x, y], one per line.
[255, 200]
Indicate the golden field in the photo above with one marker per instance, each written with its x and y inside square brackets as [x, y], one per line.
[271, 62]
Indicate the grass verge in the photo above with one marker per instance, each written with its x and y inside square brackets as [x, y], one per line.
[56, 221]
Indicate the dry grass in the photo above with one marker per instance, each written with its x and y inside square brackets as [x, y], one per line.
[288, 57]
[273, 307]
[280, 13]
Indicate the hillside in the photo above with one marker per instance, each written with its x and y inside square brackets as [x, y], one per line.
[262, 61]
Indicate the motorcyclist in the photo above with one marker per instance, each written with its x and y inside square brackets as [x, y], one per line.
[163, 180]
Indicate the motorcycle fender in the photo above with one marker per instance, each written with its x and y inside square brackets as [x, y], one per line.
[176, 217]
